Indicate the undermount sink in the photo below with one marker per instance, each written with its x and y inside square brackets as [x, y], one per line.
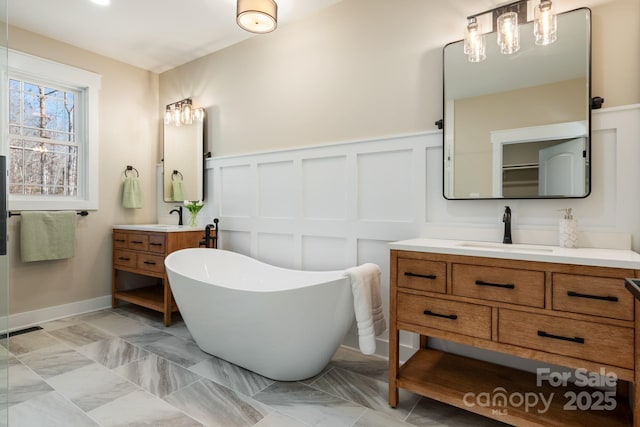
[505, 247]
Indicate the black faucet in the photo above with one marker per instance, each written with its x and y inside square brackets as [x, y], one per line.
[210, 241]
[179, 210]
[506, 218]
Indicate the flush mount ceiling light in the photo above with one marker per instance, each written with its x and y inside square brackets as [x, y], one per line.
[257, 16]
[101, 2]
[506, 22]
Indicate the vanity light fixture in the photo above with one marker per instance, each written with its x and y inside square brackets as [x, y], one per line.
[182, 113]
[508, 33]
[545, 24]
[474, 43]
[257, 16]
[506, 23]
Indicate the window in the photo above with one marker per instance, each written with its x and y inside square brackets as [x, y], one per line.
[53, 147]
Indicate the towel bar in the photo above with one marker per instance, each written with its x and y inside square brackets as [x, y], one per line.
[131, 168]
[81, 213]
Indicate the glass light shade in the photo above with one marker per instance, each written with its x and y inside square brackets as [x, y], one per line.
[257, 16]
[198, 114]
[544, 24]
[168, 117]
[508, 33]
[474, 43]
[177, 116]
[186, 114]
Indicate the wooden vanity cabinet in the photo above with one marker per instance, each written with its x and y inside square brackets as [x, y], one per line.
[143, 252]
[574, 316]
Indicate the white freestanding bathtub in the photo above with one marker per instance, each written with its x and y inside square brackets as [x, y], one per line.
[282, 324]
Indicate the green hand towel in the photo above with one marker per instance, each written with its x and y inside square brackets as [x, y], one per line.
[177, 190]
[47, 235]
[131, 194]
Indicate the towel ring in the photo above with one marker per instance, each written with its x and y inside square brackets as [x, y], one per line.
[131, 168]
[173, 175]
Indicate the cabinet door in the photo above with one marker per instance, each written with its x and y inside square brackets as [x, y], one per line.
[599, 296]
[612, 345]
[523, 287]
[453, 316]
[157, 243]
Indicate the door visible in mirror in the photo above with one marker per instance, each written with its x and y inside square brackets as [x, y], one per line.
[502, 115]
[183, 162]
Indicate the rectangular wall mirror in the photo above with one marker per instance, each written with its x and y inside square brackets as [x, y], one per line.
[183, 167]
[518, 126]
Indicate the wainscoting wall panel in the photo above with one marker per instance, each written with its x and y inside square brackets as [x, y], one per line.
[335, 206]
[322, 208]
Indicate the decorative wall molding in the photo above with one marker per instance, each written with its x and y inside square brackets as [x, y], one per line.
[335, 206]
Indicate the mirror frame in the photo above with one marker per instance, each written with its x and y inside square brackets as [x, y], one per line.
[442, 124]
[198, 148]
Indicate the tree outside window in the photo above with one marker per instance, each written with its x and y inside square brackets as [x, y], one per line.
[43, 144]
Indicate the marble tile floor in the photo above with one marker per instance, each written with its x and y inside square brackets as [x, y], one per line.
[122, 367]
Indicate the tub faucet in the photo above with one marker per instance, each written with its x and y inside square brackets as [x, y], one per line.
[178, 209]
[506, 218]
[210, 241]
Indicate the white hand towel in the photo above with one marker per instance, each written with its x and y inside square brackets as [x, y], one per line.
[367, 304]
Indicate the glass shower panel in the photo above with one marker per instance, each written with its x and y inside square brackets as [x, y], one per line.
[4, 264]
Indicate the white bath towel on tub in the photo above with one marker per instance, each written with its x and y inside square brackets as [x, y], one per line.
[367, 304]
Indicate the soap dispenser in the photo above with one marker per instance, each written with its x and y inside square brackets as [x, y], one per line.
[568, 230]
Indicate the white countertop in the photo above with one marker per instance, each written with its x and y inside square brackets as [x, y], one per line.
[162, 228]
[617, 258]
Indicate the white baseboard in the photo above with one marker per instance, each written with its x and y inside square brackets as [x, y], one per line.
[382, 347]
[32, 318]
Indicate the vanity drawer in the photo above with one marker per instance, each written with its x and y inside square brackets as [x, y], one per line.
[422, 275]
[153, 263]
[119, 240]
[139, 242]
[599, 296]
[575, 338]
[459, 317]
[523, 287]
[124, 258]
[156, 243]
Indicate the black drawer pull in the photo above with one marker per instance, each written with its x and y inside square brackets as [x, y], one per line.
[155, 244]
[446, 316]
[120, 240]
[124, 259]
[150, 262]
[422, 276]
[495, 285]
[560, 337]
[137, 242]
[598, 297]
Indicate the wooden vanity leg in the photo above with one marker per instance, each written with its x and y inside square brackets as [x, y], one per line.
[394, 355]
[635, 403]
[114, 288]
[394, 334]
[167, 301]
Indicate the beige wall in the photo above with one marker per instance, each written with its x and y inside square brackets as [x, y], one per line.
[129, 134]
[363, 69]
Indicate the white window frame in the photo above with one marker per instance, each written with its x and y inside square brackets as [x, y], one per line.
[23, 66]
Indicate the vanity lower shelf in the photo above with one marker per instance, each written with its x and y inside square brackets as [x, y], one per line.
[459, 381]
[149, 296]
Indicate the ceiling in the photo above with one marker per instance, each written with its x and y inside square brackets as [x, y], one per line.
[158, 35]
[155, 35]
